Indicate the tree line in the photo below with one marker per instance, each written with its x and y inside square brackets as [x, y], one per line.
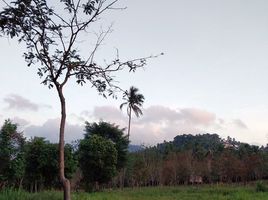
[102, 160]
[195, 159]
[33, 164]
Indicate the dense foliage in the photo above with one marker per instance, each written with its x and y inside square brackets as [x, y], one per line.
[41, 164]
[32, 165]
[11, 155]
[97, 159]
[102, 153]
[111, 132]
[190, 159]
[101, 160]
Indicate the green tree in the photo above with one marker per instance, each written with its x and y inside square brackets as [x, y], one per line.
[36, 156]
[52, 31]
[265, 162]
[42, 164]
[133, 101]
[97, 159]
[71, 160]
[11, 155]
[111, 132]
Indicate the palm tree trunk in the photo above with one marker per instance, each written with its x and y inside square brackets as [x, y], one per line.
[129, 121]
[65, 182]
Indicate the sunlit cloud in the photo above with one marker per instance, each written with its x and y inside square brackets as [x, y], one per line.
[198, 116]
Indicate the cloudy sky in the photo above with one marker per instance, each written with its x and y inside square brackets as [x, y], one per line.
[212, 78]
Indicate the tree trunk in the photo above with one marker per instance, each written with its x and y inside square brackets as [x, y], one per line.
[35, 187]
[20, 184]
[65, 182]
[129, 121]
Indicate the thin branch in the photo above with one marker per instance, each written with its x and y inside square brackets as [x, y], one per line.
[109, 6]
[64, 21]
[99, 41]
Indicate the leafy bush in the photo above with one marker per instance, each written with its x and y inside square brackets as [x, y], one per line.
[260, 187]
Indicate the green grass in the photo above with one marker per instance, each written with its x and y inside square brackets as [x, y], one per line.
[226, 192]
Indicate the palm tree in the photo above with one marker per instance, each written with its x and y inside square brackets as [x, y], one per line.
[134, 101]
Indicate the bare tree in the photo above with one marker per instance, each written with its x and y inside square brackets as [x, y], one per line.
[51, 36]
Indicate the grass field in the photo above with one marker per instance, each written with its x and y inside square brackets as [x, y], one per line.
[151, 193]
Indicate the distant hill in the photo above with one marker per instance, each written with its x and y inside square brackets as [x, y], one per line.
[203, 143]
[135, 148]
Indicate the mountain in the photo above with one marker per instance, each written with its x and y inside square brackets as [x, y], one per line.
[135, 148]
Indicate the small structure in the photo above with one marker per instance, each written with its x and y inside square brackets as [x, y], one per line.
[195, 179]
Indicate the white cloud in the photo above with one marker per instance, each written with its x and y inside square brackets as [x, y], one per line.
[106, 113]
[50, 130]
[160, 113]
[188, 115]
[155, 132]
[221, 121]
[158, 123]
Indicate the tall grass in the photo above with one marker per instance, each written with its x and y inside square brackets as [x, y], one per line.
[22, 195]
[220, 192]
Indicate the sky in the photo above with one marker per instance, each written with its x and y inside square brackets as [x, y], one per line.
[212, 77]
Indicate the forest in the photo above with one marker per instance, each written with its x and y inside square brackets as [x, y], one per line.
[103, 159]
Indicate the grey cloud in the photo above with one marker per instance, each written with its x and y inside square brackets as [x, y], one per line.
[17, 120]
[45, 106]
[240, 124]
[50, 130]
[86, 113]
[108, 113]
[79, 118]
[18, 102]
[20, 121]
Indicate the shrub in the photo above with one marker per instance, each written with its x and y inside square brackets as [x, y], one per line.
[260, 187]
